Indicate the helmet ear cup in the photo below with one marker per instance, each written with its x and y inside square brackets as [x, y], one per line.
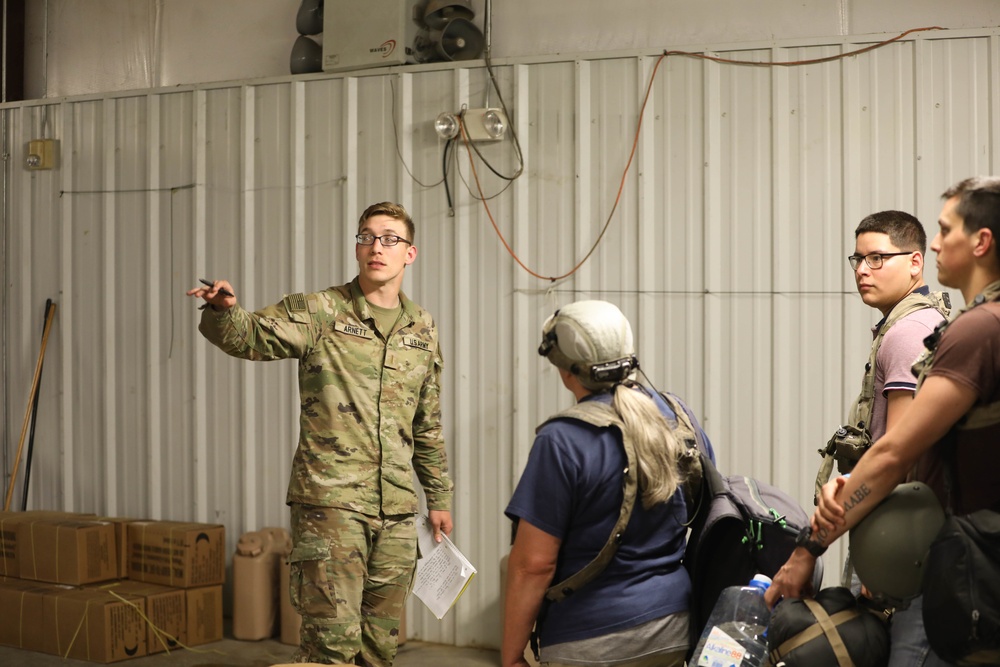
[548, 342]
[889, 547]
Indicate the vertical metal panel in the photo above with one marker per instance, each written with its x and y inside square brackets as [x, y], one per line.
[66, 477]
[199, 241]
[726, 250]
[522, 378]
[154, 286]
[108, 337]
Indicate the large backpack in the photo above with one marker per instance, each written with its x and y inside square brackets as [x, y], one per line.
[740, 527]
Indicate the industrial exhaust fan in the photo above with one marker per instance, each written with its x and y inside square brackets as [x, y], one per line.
[375, 33]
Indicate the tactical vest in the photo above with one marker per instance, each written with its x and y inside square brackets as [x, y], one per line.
[603, 415]
[853, 439]
[980, 415]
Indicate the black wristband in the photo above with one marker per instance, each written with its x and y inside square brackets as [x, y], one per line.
[804, 540]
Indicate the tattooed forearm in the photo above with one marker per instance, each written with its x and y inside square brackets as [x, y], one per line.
[860, 494]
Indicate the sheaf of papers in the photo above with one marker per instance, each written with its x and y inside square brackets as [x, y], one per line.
[443, 572]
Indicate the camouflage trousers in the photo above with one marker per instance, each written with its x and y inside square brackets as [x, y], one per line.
[350, 575]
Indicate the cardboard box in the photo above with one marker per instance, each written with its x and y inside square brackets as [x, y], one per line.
[166, 612]
[95, 625]
[121, 542]
[66, 551]
[204, 615]
[183, 555]
[9, 521]
[23, 604]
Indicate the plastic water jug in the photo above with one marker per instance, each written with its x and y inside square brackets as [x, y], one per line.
[735, 633]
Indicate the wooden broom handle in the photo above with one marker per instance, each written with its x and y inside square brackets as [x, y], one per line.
[31, 400]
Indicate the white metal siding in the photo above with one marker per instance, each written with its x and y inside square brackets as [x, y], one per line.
[727, 251]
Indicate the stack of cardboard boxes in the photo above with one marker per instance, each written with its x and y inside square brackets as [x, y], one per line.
[107, 589]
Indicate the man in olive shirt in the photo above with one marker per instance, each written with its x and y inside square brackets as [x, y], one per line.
[369, 384]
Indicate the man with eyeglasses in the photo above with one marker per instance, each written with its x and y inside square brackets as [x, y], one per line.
[888, 264]
[952, 421]
[369, 384]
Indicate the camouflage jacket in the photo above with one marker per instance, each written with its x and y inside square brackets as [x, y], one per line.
[370, 407]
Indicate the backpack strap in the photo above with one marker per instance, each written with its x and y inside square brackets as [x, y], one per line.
[603, 416]
[694, 457]
[852, 440]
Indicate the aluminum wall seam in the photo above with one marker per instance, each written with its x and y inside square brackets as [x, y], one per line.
[404, 143]
[922, 125]
[249, 389]
[781, 208]
[645, 165]
[584, 277]
[351, 211]
[154, 288]
[464, 371]
[110, 387]
[66, 313]
[26, 353]
[521, 376]
[712, 196]
[297, 104]
[199, 357]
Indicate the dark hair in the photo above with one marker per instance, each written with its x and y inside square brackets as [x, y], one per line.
[904, 231]
[392, 210]
[978, 203]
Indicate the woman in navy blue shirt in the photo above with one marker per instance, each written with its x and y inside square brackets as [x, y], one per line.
[568, 500]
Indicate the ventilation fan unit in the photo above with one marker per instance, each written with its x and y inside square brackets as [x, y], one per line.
[358, 34]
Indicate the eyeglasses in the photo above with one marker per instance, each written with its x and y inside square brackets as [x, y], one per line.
[874, 260]
[386, 240]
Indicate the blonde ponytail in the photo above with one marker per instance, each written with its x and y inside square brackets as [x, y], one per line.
[656, 448]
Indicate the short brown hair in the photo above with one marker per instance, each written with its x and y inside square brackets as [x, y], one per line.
[904, 230]
[395, 211]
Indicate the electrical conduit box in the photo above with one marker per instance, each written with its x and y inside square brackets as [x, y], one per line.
[41, 154]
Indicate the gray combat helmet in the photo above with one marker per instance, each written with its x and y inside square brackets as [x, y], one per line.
[889, 547]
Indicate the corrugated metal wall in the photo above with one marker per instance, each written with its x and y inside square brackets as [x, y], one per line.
[727, 251]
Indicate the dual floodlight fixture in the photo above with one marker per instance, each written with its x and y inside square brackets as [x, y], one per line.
[480, 124]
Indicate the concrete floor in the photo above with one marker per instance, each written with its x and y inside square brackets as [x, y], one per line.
[260, 654]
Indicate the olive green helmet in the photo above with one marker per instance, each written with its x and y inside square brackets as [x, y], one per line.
[889, 547]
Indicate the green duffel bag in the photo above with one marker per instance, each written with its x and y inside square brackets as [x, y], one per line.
[833, 629]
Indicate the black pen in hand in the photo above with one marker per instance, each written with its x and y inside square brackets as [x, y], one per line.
[222, 290]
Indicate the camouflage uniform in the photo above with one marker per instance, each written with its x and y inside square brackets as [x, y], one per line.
[370, 407]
